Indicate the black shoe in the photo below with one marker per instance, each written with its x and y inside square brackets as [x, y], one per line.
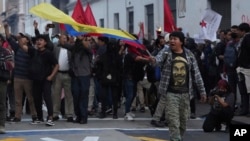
[35, 121]
[102, 115]
[83, 121]
[77, 120]
[142, 109]
[55, 118]
[166, 123]
[12, 114]
[115, 116]
[218, 128]
[91, 113]
[157, 123]
[193, 116]
[8, 118]
[133, 109]
[109, 111]
[16, 120]
[41, 119]
[70, 119]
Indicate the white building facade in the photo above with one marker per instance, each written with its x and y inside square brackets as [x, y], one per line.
[29, 18]
[127, 14]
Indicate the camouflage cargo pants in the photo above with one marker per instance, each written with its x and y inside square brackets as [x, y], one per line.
[177, 113]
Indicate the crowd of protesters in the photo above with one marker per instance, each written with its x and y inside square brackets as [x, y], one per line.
[80, 76]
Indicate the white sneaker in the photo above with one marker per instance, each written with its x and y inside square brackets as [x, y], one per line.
[2, 130]
[35, 121]
[50, 123]
[128, 117]
[132, 114]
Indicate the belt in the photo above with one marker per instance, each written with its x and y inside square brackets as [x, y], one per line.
[63, 71]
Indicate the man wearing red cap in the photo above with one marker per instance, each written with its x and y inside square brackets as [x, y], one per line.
[221, 99]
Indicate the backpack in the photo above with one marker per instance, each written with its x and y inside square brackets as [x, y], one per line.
[230, 55]
[37, 69]
[153, 73]
[138, 71]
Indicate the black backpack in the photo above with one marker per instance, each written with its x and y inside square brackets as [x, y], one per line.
[230, 55]
[138, 71]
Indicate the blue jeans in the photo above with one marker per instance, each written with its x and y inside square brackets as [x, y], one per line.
[129, 93]
[80, 91]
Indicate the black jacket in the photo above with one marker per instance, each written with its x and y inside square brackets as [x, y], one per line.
[109, 68]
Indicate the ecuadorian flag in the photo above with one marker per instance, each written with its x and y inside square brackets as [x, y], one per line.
[49, 12]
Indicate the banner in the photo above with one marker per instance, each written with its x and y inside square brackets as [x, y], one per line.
[90, 16]
[209, 25]
[78, 14]
[169, 24]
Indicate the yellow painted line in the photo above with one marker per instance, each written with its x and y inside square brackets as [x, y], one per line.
[12, 139]
[149, 139]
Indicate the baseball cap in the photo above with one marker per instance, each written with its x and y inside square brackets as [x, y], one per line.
[25, 35]
[42, 36]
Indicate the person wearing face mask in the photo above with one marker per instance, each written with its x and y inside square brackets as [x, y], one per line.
[221, 100]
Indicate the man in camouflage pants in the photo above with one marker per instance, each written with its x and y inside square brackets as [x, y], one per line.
[178, 72]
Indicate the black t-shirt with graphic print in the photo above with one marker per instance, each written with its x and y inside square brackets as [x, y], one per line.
[179, 74]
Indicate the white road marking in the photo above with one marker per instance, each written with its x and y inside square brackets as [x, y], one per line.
[111, 119]
[89, 138]
[50, 139]
[98, 129]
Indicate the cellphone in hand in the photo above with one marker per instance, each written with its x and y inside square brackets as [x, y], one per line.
[51, 25]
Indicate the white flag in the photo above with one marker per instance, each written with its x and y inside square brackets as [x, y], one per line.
[209, 25]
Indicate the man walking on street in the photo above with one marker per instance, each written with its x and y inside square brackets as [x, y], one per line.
[178, 72]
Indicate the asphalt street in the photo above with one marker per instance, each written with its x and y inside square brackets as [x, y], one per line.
[108, 129]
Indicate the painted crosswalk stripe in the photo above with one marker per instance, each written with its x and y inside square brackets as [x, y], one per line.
[111, 119]
[50, 139]
[149, 139]
[89, 138]
[63, 130]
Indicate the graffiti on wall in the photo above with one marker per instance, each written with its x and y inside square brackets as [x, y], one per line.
[245, 19]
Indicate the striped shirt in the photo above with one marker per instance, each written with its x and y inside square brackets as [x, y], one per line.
[22, 61]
